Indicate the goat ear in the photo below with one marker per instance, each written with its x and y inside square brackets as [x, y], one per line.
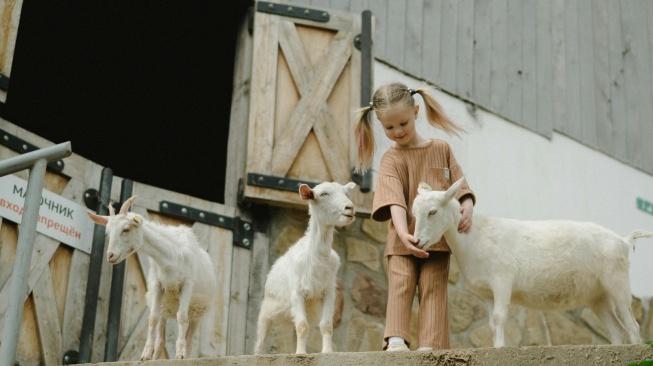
[453, 190]
[423, 188]
[102, 220]
[350, 185]
[305, 192]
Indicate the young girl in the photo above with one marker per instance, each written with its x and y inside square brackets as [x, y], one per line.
[412, 159]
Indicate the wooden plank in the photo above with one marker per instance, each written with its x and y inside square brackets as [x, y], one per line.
[60, 273]
[642, 54]
[601, 58]
[75, 300]
[544, 62]
[358, 6]
[48, 319]
[215, 327]
[412, 43]
[465, 49]
[238, 304]
[587, 85]
[259, 268]
[8, 243]
[514, 99]
[237, 148]
[28, 351]
[482, 52]
[499, 57]
[571, 126]
[431, 38]
[133, 348]
[102, 310]
[632, 78]
[263, 92]
[395, 36]
[617, 118]
[380, 10]
[448, 43]
[529, 57]
[10, 15]
[648, 127]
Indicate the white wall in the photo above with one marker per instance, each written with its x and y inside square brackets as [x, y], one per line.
[519, 174]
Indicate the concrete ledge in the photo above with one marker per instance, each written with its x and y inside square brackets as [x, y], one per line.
[521, 356]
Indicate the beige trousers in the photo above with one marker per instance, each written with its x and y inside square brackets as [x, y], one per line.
[429, 275]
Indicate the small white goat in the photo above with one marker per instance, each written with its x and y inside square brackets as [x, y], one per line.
[546, 265]
[301, 285]
[181, 281]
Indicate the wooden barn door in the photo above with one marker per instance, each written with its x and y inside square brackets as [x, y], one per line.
[306, 83]
[59, 273]
[9, 18]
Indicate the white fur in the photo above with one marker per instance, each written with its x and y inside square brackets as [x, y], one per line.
[181, 281]
[546, 265]
[301, 285]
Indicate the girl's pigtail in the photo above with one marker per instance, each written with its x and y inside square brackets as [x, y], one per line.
[435, 114]
[364, 136]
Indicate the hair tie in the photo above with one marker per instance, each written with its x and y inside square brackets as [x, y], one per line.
[412, 91]
[371, 106]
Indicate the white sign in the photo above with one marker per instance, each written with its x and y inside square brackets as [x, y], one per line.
[59, 218]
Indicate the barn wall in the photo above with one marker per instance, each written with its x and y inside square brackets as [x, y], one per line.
[581, 68]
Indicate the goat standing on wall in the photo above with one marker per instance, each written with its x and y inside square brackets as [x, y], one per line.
[545, 265]
[181, 282]
[301, 285]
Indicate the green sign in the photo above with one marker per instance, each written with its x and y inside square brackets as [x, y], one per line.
[645, 205]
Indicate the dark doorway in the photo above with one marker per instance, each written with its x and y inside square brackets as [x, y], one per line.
[141, 86]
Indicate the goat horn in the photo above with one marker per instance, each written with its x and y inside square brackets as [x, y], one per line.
[112, 212]
[125, 206]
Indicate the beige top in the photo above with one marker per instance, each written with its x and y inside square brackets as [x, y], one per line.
[401, 171]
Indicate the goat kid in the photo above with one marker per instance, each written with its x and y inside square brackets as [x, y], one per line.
[301, 285]
[545, 265]
[181, 282]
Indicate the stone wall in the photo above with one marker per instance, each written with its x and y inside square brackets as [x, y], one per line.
[362, 299]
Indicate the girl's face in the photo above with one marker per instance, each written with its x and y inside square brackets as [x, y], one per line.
[399, 124]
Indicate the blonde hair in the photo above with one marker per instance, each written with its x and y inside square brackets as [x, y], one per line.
[389, 96]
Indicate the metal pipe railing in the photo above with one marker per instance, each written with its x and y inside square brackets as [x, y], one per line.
[36, 161]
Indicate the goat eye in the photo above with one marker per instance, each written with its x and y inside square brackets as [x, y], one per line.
[433, 212]
[323, 194]
[125, 230]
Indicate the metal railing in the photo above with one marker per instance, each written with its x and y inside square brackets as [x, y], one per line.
[36, 162]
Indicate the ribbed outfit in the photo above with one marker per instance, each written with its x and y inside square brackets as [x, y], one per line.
[401, 171]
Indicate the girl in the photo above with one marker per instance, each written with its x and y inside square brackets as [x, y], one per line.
[412, 159]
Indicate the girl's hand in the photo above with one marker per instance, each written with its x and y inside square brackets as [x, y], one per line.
[467, 210]
[411, 244]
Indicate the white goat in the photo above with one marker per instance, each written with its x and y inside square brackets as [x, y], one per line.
[301, 285]
[181, 281]
[546, 265]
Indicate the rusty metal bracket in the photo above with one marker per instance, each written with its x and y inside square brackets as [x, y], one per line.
[269, 181]
[243, 232]
[293, 11]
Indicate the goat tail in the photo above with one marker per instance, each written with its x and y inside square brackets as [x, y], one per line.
[636, 235]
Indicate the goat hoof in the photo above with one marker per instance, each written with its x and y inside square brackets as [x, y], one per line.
[180, 357]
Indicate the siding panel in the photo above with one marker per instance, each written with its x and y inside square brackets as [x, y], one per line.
[585, 60]
[572, 72]
[513, 97]
[544, 65]
[379, 9]
[604, 138]
[431, 36]
[529, 65]
[482, 52]
[448, 45]
[618, 117]
[465, 49]
[499, 56]
[396, 22]
[413, 37]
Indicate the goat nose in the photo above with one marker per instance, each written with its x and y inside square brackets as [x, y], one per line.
[109, 256]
